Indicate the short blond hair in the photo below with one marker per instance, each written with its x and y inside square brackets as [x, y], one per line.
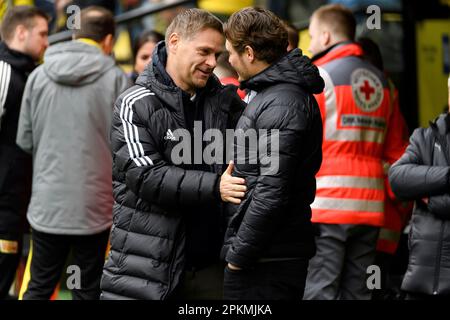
[339, 18]
[191, 21]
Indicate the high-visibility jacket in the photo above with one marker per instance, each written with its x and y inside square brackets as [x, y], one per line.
[396, 212]
[359, 133]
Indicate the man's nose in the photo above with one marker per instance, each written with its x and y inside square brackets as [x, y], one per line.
[211, 61]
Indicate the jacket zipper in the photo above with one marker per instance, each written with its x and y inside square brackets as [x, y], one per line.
[438, 262]
[172, 262]
[443, 142]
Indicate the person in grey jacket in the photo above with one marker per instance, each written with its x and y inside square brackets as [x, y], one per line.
[65, 124]
[423, 174]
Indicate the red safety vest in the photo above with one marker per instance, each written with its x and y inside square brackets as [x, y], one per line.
[359, 134]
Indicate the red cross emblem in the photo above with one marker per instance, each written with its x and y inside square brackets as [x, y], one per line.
[367, 89]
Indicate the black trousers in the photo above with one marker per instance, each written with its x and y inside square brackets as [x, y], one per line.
[276, 280]
[15, 191]
[49, 253]
[9, 261]
[203, 284]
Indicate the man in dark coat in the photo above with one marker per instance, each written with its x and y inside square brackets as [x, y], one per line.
[166, 234]
[24, 31]
[423, 174]
[270, 238]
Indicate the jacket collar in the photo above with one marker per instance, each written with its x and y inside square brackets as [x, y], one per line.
[293, 68]
[156, 78]
[441, 125]
[337, 51]
[16, 59]
[90, 42]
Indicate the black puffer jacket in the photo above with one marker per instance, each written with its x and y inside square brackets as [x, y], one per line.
[155, 199]
[15, 164]
[423, 172]
[273, 221]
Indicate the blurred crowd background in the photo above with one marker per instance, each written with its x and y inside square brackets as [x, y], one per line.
[413, 39]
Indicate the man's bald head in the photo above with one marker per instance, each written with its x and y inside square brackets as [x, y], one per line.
[96, 24]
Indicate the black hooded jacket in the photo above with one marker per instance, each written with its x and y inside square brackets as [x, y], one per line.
[15, 164]
[423, 174]
[273, 221]
[166, 215]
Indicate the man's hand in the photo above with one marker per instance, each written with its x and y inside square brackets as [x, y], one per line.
[232, 189]
[233, 267]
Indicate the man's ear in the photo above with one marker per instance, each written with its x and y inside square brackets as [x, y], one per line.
[21, 32]
[249, 54]
[326, 38]
[107, 44]
[174, 40]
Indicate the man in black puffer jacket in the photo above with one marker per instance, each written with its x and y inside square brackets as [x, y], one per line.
[270, 238]
[423, 174]
[166, 237]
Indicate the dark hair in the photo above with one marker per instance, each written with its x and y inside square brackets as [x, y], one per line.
[96, 24]
[339, 18]
[191, 21]
[260, 29]
[146, 36]
[372, 52]
[293, 36]
[20, 15]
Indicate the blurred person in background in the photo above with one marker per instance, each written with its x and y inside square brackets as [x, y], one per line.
[396, 211]
[360, 135]
[143, 49]
[226, 73]
[24, 31]
[293, 36]
[65, 121]
[423, 174]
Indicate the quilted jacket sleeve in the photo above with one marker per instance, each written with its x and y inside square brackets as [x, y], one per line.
[410, 178]
[146, 171]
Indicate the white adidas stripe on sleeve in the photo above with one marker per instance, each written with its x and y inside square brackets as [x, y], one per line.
[130, 130]
[5, 77]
